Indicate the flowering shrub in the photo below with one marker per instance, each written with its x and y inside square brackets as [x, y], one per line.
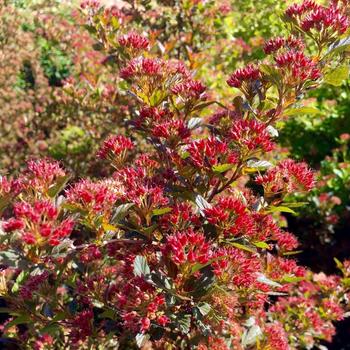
[180, 248]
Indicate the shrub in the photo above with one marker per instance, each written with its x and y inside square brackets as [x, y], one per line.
[180, 248]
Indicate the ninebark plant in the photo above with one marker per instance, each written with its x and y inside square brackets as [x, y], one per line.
[181, 247]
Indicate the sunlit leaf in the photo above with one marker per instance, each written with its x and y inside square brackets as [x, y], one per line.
[141, 267]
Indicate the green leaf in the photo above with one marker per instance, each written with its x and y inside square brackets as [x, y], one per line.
[194, 123]
[19, 320]
[58, 186]
[184, 323]
[295, 205]
[293, 252]
[141, 339]
[251, 336]
[263, 279]
[259, 164]
[12, 259]
[338, 263]
[281, 209]
[339, 46]
[59, 317]
[241, 246]
[262, 245]
[337, 75]
[120, 212]
[204, 308]
[292, 279]
[20, 278]
[221, 168]
[6, 310]
[111, 314]
[202, 203]
[51, 328]
[141, 267]
[161, 211]
[301, 111]
[203, 105]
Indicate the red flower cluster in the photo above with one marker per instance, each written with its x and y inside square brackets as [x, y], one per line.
[191, 89]
[323, 17]
[250, 135]
[32, 284]
[142, 66]
[297, 68]
[325, 22]
[300, 9]
[247, 75]
[115, 147]
[287, 177]
[42, 173]
[38, 223]
[206, 153]
[134, 41]
[290, 43]
[93, 197]
[174, 129]
[188, 247]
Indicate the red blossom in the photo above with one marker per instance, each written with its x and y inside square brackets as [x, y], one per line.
[188, 246]
[244, 75]
[206, 152]
[251, 134]
[290, 43]
[287, 177]
[134, 41]
[115, 146]
[297, 67]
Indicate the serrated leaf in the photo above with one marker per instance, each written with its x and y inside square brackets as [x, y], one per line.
[337, 75]
[221, 168]
[301, 111]
[161, 211]
[141, 267]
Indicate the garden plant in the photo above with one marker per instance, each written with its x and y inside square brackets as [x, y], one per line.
[175, 237]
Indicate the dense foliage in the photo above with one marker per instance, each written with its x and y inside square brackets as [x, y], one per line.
[169, 234]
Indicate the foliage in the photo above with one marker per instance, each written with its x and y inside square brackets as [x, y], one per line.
[181, 247]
